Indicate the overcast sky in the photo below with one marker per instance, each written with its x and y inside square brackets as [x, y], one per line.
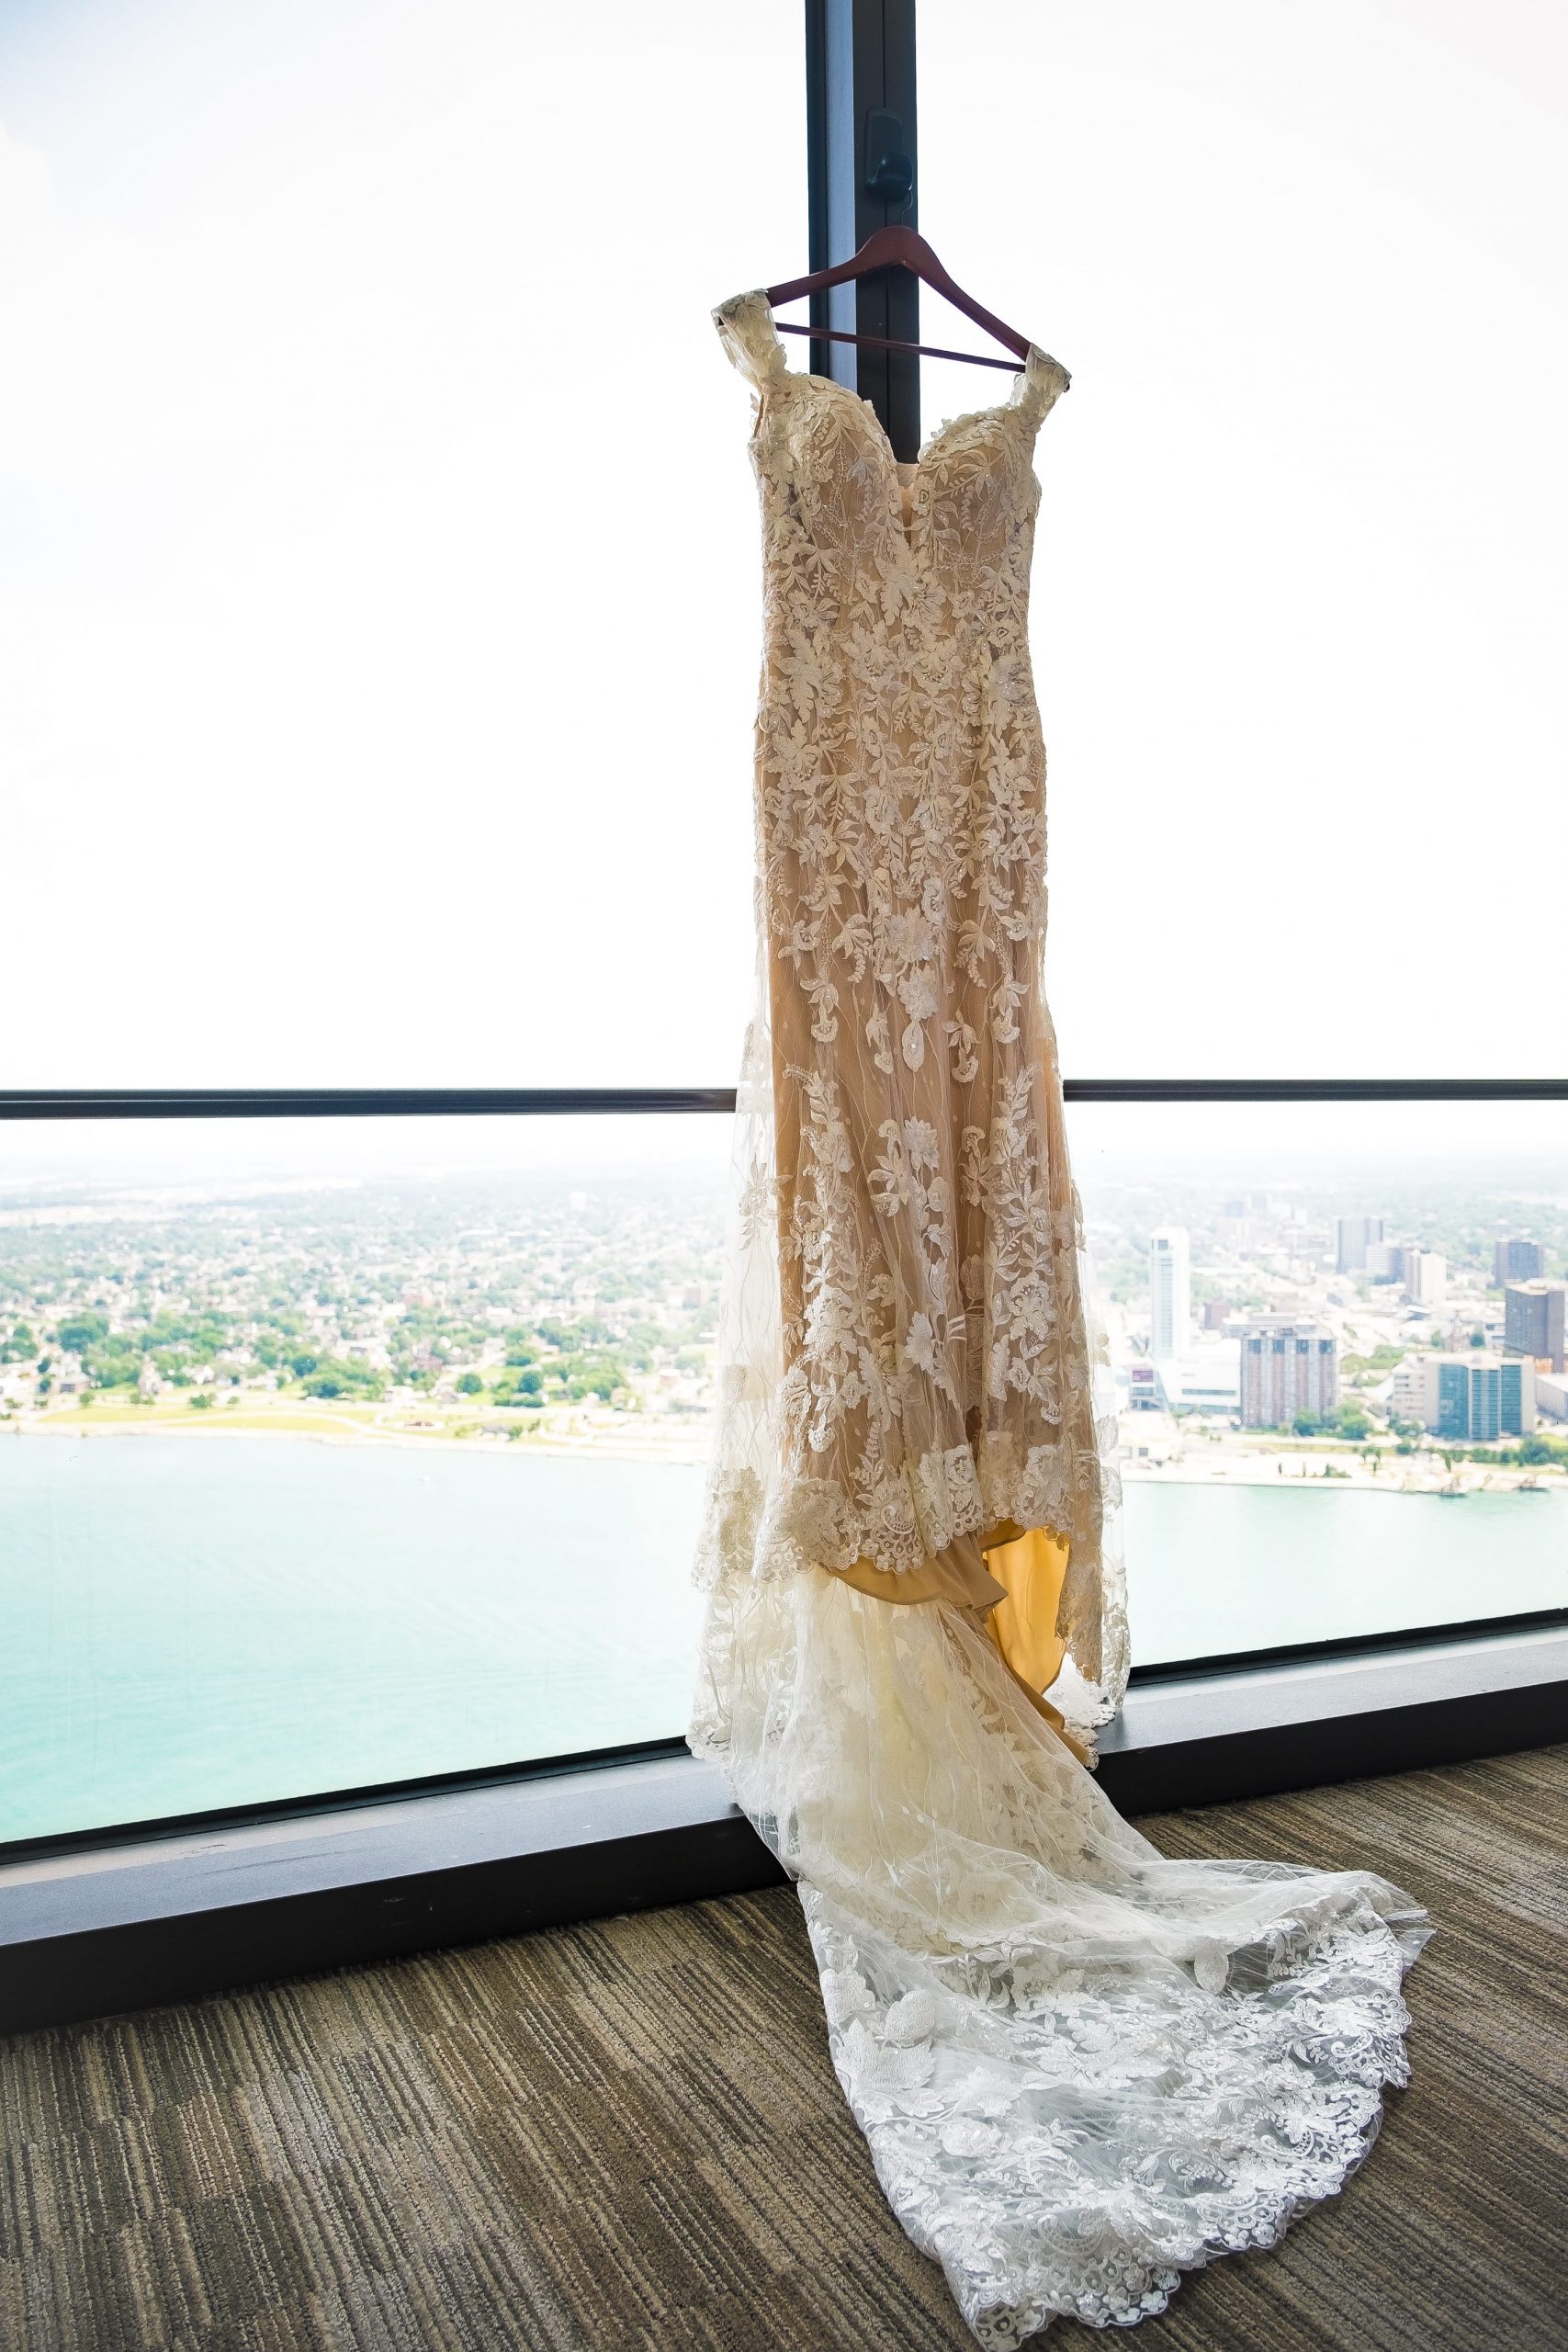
[379, 600]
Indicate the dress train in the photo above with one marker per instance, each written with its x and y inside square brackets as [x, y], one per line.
[1081, 2068]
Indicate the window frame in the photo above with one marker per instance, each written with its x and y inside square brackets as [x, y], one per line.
[860, 62]
[74, 1103]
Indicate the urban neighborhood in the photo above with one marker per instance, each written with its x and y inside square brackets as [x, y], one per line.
[1255, 1334]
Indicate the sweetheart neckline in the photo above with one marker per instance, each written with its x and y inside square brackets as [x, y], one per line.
[948, 424]
[929, 446]
[916, 467]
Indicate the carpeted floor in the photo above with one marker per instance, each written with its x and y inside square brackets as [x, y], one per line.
[627, 2135]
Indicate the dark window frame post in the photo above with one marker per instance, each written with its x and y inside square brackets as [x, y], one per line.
[861, 121]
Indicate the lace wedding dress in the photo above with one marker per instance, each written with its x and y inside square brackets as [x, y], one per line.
[1080, 2068]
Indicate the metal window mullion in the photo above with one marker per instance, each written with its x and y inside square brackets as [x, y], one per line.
[860, 58]
[580, 1101]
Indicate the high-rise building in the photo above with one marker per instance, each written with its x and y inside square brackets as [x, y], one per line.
[1170, 1292]
[1407, 1390]
[1352, 1237]
[1287, 1367]
[1534, 1314]
[1478, 1397]
[1518, 1262]
[1426, 1277]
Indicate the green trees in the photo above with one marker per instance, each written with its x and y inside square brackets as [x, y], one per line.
[78, 1332]
[1346, 1420]
[590, 1373]
[587, 1332]
[115, 1360]
[347, 1376]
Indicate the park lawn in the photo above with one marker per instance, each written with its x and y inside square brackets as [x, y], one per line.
[294, 1417]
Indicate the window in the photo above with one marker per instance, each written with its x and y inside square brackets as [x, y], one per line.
[1324, 1428]
[379, 712]
[1300, 585]
[337, 1453]
[377, 685]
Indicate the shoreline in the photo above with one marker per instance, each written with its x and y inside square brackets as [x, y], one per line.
[1470, 1478]
[1396, 1475]
[350, 1436]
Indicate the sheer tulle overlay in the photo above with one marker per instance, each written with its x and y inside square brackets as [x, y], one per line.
[1080, 2068]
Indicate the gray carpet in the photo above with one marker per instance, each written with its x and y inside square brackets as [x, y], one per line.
[627, 2135]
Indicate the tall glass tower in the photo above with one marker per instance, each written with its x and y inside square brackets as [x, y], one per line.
[1170, 1292]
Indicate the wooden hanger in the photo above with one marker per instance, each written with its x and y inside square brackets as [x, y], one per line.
[900, 247]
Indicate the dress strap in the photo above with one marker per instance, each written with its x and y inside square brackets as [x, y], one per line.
[746, 329]
[1040, 386]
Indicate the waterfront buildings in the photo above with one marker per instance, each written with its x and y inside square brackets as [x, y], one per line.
[1426, 1277]
[1534, 1314]
[1206, 1381]
[1407, 1391]
[1170, 1292]
[1353, 1235]
[1288, 1366]
[1477, 1397]
[1518, 1262]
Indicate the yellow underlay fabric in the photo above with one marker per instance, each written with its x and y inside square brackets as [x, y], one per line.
[1012, 1573]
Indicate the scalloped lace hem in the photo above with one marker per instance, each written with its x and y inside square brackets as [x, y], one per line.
[898, 1517]
[1039, 2177]
[1082, 2068]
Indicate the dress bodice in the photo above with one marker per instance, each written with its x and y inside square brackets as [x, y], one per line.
[822, 450]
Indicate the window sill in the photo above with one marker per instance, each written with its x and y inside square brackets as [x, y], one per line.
[109, 1928]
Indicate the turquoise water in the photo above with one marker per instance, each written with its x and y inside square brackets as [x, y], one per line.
[1215, 1567]
[197, 1622]
[192, 1623]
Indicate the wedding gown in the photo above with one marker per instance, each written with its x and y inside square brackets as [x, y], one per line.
[1080, 2068]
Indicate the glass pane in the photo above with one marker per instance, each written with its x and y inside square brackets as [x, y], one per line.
[1319, 1315]
[1302, 583]
[378, 563]
[343, 1452]
[340, 1452]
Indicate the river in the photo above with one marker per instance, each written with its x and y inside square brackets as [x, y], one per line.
[193, 1622]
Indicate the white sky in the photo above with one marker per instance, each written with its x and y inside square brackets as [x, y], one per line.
[379, 605]
[1300, 597]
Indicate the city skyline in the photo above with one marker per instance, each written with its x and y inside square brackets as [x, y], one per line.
[490, 1305]
[1271, 1364]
